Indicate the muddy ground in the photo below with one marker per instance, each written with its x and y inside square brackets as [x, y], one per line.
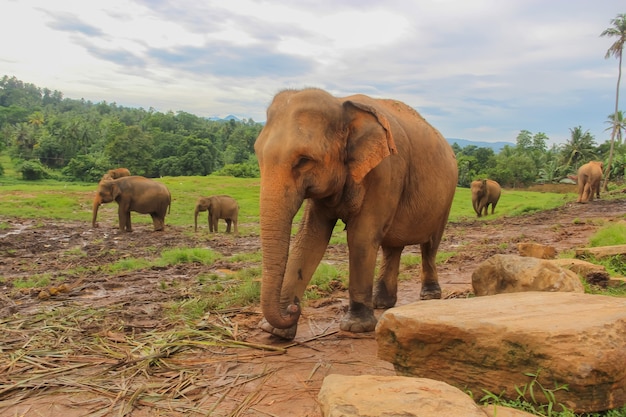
[74, 350]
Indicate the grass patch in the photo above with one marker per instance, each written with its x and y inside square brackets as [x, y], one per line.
[609, 235]
[325, 280]
[187, 255]
[130, 264]
[35, 281]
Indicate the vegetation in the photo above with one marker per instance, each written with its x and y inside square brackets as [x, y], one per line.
[618, 30]
[49, 136]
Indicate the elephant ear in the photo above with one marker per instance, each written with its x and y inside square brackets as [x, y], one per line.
[115, 189]
[369, 139]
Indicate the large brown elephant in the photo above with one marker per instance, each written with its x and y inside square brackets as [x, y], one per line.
[375, 164]
[116, 173]
[218, 207]
[484, 193]
[589, 179]
[134, 193]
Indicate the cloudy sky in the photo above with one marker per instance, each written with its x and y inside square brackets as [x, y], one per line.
[476, 69]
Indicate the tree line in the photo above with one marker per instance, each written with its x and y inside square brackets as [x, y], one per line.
[48, 135]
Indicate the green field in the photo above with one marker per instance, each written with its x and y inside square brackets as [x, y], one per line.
[48, 199]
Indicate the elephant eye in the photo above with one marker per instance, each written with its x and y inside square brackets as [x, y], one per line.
[302, 162]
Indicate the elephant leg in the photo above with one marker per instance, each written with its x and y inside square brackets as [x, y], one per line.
[430, 281]
[386, 289]
[228, 222]
[363, 245]
[158, 221]
[125, 224]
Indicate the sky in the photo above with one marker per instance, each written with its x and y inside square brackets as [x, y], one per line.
[480, 70]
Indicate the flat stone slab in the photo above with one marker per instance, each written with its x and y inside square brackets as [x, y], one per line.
[492, 342]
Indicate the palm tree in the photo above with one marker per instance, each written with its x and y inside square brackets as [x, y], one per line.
[619, 31]
[618, 123]
[580, 148]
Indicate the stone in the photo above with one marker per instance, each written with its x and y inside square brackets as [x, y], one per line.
[536, 250]
[492, 343]
[512, 273]
[384, 396]
[601, 251]
[592, 273]
[617, 282]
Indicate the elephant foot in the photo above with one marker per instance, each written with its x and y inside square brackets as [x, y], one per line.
[360, 320]
[288, 334]
[430, 292]
[382, 298]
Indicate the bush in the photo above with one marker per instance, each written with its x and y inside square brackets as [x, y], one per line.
[33, 170]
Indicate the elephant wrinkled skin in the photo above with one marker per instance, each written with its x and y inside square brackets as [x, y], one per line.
[589, 179]
[134, 193]
[484, 193]
[375, 164]
[218, 207]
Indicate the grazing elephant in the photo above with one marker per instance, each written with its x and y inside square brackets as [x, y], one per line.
[375, 164]
[219, 207]
[485, 192]
[134, 193]
[589, 178]
[116, 173]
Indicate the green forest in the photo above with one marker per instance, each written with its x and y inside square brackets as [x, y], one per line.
[49, 136]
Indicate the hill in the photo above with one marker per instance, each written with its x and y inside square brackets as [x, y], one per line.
[496, 146]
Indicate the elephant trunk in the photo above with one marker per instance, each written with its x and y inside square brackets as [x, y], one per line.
[96, 205]
[276, 216]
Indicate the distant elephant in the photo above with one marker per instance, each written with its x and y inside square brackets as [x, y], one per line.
[134, 193]
[377, 165]
[116, 173]
[218, 207]
[484, 193]
[589, 178]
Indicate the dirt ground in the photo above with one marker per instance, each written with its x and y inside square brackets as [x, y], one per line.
[249, 379]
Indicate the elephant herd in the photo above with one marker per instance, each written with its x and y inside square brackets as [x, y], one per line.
[375, 164]
[487, 192]
[146, 196]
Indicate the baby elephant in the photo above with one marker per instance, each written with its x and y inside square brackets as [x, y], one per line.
[485, 192]
[116, 173]
[219, 207]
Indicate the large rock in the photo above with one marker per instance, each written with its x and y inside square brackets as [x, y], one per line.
[490, 343]
[512, 273]
[384, 396]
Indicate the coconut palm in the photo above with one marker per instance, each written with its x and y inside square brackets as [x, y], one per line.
[618, 30]
[580, 148]
[619, 124]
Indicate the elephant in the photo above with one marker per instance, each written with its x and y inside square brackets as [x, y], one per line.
[116, 173]
[375, 164]
[484, 193]
[589, 178]
[218, 207]
[134, 193]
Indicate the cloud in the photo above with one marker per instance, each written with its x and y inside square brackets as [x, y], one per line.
[479, 70]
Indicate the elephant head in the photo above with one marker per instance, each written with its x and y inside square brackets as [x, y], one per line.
[203, 204]
[107, 192]
[313, 146]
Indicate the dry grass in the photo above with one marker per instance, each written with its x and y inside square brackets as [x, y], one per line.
[81, 354]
